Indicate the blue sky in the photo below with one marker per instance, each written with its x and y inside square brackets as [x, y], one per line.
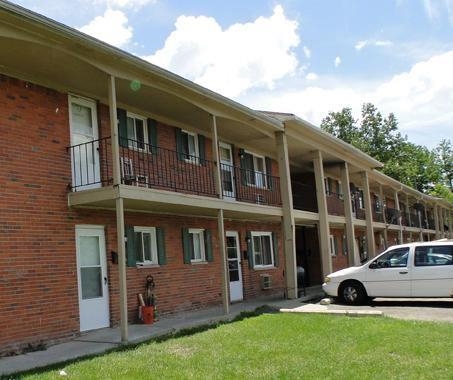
[307, 57]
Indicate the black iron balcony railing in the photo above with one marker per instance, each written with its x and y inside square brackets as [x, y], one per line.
[392, 215]
[155, 167]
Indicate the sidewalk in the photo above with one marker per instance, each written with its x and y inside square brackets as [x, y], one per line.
[99, 341]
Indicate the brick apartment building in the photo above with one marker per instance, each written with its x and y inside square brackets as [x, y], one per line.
[113, 169]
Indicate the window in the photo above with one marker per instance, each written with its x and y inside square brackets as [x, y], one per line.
[263, 253]
[396, 258]
[433, 255]
[361, 201]
[146, 245]
[254, 170]
[197, 245]
[332, 245]
[189, 146]
[137, 133]
[196, 238]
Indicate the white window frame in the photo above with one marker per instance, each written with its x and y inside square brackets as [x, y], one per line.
[271, 244]
[332, 249]
[259, 177]
[153, 245]
[132, 145]
[195, 155]
[198, 256]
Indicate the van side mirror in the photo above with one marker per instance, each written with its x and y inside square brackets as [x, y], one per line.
[373, 265]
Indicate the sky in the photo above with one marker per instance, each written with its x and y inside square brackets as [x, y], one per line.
[307, 57]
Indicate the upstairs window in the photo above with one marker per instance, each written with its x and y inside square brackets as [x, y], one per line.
[253, 170]
[137, 133]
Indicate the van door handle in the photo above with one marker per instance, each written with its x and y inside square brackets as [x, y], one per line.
[403, 272]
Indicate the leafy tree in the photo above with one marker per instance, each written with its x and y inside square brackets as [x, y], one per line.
[379, 137]
[444, 158]
[442, 191]
[342, 125]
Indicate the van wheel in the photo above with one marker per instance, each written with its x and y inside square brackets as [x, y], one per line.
[352, 293]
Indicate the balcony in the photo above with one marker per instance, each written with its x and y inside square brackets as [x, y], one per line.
[392, 215]
[154, 167]
[304, 196]
[335, 203]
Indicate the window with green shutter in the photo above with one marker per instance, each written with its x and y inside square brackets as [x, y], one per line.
[145, 246]
[197, 245]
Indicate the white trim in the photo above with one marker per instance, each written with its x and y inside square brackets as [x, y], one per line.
[195, 156]
[200, 233]
[260, 176]
[332, 245]
[154, 254]
[135, 116]
[271, 243]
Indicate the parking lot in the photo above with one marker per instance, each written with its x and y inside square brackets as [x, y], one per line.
[436, 310]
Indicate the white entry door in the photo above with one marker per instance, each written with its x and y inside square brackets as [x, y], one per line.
[234, 265]
[84, 142]
[92, 278]
[227, 170]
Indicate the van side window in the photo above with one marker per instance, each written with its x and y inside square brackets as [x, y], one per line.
[433, 255]
[396, 258]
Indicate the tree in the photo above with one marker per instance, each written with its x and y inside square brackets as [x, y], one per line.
[444, 158]
[341, 125]
[379, 137]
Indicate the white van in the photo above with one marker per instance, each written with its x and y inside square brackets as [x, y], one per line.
[407, 270]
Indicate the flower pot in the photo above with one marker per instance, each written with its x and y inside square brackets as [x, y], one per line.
[148, 314]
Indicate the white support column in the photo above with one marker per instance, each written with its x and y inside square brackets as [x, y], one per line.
[384, 215]
[408, 216]
[216, 158]
[371, 247]
[349, 226]
[436, 221]
[114, 131]
[288, 227]
[324, 230]
[223, 259]
[450, 224]
[121, 245]
[397, 206]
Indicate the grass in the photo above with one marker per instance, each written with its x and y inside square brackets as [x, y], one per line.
[283, 346]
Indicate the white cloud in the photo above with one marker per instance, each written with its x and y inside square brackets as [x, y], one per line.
[231, 61]
[361, 44]
[112, 27]
[307, 52]
[430, 9]
[311, 76]
[131, 4]
[435, 9]
[337, 61]
[420, 98]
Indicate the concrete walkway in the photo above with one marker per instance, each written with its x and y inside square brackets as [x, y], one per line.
[99, 341]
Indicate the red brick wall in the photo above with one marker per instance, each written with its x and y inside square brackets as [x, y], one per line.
[38, 273]
[340, 260]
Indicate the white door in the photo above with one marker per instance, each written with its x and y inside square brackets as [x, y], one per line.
[227, 170]
[234, 265]
[84, 142]
[92, 277]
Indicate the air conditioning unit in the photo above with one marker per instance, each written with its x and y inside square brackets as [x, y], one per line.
[266, 281]
[259, 199]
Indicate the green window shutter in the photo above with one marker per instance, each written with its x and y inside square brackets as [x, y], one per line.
[249, 248]
[202, 149]
[186, 245]
[160, 237]
[268, 162]
[152, 135]
[131, 244]
[122, 127]
[275, 246]
[179, 149]
[246, 164]
[208, 245]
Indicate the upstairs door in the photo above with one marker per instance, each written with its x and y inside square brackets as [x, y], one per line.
[234, 265]
[84, 142]
[227, 170]
[92, 278]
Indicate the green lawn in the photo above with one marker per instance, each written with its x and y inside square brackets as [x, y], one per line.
[284, 346]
